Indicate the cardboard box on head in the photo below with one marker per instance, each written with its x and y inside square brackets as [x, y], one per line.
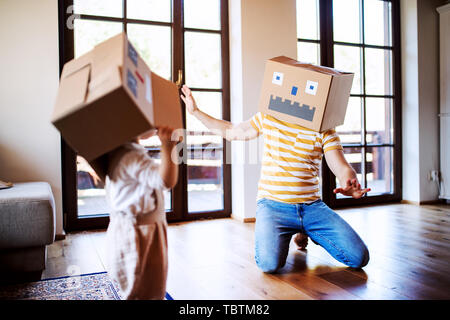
[108, 97]
[311, 96]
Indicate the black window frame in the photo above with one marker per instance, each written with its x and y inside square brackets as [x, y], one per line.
[179, 210]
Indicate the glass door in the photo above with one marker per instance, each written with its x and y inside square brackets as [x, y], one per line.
[156, 29]
[204, 60]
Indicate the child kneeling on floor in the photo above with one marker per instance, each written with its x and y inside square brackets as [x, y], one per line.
[137, 232]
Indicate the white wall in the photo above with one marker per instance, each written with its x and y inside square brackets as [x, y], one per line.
[420, 77]
[29, 145]
[259, 30]
[428, 35]
[410, 99]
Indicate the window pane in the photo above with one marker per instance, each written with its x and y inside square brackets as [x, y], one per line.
[152, 142]
[205, 180]
[155, 10]
[308, 52]
[107, 8]
[346, 21]
[307, 19]
[202, 14]
[91, 195]
[209, 102]
[89, 33]
[154, 46]
[354, 156]
[380, 170]
[205, 185]
[348, 59]
[379, 120]
[203, 60]
[378, 71]
[377, 22]
[350, 131]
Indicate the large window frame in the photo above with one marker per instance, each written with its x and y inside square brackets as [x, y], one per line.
[326, 43]
[179, 208]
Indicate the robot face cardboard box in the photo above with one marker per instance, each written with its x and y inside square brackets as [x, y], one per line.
[311, 96]
[109, 96]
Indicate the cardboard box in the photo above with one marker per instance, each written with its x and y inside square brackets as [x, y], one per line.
[109, 96]
[311, 96]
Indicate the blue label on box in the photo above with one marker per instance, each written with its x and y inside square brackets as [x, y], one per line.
[132, 83]
[132, 54]
[294, 90]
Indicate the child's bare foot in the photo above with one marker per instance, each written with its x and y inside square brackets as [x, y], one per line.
[301, 240]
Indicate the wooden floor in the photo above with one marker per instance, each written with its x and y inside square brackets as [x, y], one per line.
[213, 259]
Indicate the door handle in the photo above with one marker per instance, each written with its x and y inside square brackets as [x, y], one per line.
[180, 78]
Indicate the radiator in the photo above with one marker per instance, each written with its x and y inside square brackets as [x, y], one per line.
[445, 154]
[444, 41]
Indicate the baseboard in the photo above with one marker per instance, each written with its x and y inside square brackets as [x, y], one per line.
[60, 236]
[416, 203]
[431, 202]
[245, 220]
[421, 203]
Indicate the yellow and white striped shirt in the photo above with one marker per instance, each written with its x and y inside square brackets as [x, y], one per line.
[291, 160]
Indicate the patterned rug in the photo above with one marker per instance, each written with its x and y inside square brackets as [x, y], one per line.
[93, 286]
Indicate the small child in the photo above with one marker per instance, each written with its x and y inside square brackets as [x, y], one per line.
[137, 232]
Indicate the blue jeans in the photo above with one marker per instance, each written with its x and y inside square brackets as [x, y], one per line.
[277, 222]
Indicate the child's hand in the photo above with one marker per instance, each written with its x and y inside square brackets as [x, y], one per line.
[165, 135]
[353, 189]
[188, 99]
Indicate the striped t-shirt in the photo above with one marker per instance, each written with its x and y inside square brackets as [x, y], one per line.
[291, 160]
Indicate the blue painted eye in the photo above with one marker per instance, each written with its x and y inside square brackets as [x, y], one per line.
[294, 91]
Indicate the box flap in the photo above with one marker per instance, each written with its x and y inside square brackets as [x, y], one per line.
[103, 83]
[72, 92]
[108, 54]
[105, 73]
[77, 64]
[166, 103]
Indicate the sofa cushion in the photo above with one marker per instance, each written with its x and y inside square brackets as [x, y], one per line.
[27, 215]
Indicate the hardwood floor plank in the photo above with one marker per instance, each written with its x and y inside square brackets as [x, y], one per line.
[354, 281]
[72, 256]
[239, 265]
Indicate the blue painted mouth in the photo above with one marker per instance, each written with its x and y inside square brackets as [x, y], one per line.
[304, 112]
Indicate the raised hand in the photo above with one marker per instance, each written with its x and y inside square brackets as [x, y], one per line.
[188, 99]
[165, 135]
[352, 189]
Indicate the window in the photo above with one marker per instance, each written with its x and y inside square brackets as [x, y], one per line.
[360, 36]
[202, 39]
[177, 39]
[308, 31]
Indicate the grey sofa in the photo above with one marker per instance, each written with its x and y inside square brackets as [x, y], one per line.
[27, 226]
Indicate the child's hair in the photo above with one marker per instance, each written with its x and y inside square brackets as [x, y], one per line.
[105, 164]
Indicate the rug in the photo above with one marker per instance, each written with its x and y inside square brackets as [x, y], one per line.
[93, 286]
